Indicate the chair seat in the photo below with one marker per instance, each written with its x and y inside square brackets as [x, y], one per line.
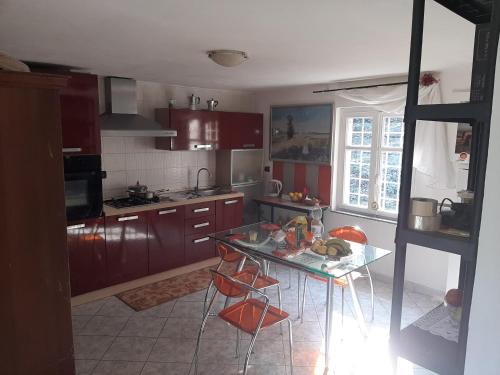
[245, 315]
[341, 281]
[247, 275]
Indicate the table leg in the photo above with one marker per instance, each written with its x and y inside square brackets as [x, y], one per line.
[357, 307]
[272, 214]
[329, 324]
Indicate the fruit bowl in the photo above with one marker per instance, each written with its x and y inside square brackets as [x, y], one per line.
[296, 196]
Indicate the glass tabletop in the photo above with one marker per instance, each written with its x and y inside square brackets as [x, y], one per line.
[259, 240]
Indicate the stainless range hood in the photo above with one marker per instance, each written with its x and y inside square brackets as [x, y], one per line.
[121, 118]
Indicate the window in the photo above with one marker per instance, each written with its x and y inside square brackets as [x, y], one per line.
[369, 169]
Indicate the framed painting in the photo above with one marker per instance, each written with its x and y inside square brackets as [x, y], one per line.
[301, 133]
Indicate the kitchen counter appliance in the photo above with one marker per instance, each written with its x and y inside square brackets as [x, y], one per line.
[83, 186]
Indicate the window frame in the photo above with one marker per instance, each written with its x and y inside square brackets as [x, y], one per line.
[376, 149]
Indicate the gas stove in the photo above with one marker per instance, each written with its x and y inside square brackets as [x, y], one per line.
[132, 201]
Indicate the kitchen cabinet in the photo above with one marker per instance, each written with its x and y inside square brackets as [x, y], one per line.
[200, 209]
[196, 130]
[87, 255]
[79, 115]
[239, 130]
[199, 247]
[166, 239]
[229, 213]
[126, 247]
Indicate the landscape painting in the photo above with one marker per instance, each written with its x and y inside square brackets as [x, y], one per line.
[302, 133]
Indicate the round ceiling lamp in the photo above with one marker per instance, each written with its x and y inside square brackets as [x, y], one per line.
[226, 57]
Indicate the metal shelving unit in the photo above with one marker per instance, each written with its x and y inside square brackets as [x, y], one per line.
[421, 347]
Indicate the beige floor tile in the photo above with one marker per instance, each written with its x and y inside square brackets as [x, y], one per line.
[160, 311]
[130, 349]
[118, 368]
[104, 325]
[173, 350]
[114, 307]
[180, 328]
[89, 308]
[85, 366]
[158, 368]
[140, 326]
[218, 351]
[91, 347]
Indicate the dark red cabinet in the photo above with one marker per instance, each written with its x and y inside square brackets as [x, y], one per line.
[200, 209]
[196, 130]
[126, 247]
[86, 246]
[229, 213]
[199, 247]
[239, 130]
[166, 239]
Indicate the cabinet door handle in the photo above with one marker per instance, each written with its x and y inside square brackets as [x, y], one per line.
[248, 145]
[233, 201]
[204, 239]
[201, 225]
[204, 209]
[203, 147]
[167, 212]
[72, 149]
[76, 226]
[128, 218]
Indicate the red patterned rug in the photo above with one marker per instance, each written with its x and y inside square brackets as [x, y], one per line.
[154, 294]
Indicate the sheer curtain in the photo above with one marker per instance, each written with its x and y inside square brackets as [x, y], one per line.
[432, 154]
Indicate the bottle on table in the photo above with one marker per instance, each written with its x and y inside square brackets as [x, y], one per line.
[317, 227]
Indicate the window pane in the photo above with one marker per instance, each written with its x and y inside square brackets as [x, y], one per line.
[356, 184]
[390, 170]
[359, 131]
[393, 130]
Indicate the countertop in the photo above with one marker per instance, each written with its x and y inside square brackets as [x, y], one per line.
[286, 203]
[111, 211]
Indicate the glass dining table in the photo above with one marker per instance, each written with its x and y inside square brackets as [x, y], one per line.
[265, 241]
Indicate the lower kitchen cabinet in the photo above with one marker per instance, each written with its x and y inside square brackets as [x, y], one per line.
[199, 247]
[166, 239]
[126, 247]
[229, 213]
[87, 255]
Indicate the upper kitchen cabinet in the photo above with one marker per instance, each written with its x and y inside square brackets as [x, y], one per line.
[196, 129]
[79, 115]
[239, 130]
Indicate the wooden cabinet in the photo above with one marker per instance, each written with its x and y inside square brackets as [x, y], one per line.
[239, 130]
[229, 213]
[126, 247]
[196, 130]
[200, 221]
[87, 255]
[199, 247]
[166, 239]
[35, 312]
[200, 209]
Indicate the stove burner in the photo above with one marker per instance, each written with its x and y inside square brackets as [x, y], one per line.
[129, 202]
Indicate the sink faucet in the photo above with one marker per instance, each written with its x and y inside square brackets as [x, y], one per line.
[198, 178]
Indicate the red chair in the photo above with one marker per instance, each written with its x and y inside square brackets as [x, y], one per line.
[249, 315]
[348, 233]
[229, 254]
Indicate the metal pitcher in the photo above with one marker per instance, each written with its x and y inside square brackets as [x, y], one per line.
[212, 104]
[193, 101]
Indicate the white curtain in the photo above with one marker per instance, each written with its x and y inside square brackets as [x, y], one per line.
[432, 154]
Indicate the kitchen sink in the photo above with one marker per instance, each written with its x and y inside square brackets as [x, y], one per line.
[206, 192]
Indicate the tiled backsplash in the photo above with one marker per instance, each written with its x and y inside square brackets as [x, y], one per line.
[131, 159]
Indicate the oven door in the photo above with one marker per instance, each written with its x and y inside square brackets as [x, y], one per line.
[83, 190]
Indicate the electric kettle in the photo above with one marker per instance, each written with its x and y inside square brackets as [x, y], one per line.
[275, 188]
[193, 101]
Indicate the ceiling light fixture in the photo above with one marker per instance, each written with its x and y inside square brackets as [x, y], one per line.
[226, 57]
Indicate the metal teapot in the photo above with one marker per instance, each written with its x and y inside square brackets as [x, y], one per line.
[194, 101]
[212, 104]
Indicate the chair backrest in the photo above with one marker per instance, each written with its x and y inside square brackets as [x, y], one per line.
[227, 253]
[227, 286]
[349, 233]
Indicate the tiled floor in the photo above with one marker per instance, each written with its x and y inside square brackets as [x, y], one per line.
[111, 338]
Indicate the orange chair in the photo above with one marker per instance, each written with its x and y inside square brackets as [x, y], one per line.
[230, 254]
[348, 233]
[249, 315]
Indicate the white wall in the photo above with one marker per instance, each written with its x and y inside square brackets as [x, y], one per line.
[484, 329]
[131, 159]
[431, 263]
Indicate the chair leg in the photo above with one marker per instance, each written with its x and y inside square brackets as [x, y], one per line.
[303, 299]
[298, 293]
[280, 305]
[290, 342]
[237, 342]
[373, 294]
[200, 333]
[343, 292]
[249, 351]
[206, 296]
[289, 278]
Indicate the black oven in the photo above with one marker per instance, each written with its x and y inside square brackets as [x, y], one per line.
[83, 186]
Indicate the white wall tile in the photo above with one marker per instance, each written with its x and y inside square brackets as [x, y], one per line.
[155, 177]
[113, 145]
[114, 180]
[133, 176]
[113, 162]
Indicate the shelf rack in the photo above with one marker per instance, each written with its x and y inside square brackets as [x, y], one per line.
[421, 347]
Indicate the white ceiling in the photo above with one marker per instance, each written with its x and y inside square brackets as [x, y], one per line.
[289, 42]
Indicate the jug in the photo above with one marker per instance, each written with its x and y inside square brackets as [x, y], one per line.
[212, 104]
[193, 101]
[275, 188]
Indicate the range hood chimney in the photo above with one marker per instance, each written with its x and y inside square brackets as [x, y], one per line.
[121, 118]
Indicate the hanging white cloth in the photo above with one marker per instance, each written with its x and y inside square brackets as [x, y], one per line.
[432, 153]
